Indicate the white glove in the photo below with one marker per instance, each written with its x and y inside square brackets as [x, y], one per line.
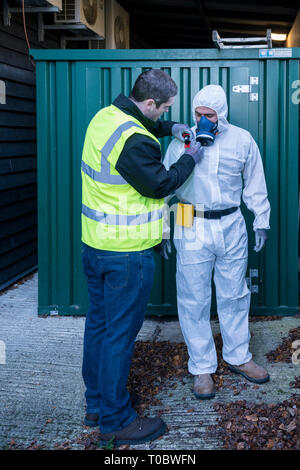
[260, 239]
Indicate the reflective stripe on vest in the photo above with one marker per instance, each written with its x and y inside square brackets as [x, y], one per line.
[121, 219]
[104, 176]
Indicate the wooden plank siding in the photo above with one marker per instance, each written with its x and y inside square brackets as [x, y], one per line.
[18, 154]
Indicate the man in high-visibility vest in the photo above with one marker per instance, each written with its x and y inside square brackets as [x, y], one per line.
[123, 186]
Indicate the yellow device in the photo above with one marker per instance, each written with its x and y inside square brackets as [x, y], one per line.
[185, 214]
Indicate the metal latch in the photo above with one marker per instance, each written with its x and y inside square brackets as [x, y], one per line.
[254, 288]
[241, 88]
[247, 89]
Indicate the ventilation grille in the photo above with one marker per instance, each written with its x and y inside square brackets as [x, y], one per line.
[68, 11]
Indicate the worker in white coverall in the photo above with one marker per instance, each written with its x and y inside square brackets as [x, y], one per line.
[217, 240]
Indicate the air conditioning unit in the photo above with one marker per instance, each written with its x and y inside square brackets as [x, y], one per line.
[87, 12]
[42, 3]
[116, 26]
[56, 3]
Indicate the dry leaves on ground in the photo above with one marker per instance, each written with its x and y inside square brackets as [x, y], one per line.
[295, 383]
[244, 426]
[284, 352]
[153, 363]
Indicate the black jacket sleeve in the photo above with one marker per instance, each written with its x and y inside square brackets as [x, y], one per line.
[140, 165]
[162, 128]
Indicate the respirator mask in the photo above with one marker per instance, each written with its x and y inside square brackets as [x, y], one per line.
[206, 131]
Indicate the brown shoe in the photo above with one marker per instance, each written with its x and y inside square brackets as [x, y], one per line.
[139, 431]
[252, 372]
[204, 387]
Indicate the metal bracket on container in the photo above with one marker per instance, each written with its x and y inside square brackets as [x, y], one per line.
[253, 272]
[254, 288]
[247, 88]
[53, 312]
[241, 88]
[241, 43]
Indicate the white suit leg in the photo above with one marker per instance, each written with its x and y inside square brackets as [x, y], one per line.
[194, 301]
[233, 303]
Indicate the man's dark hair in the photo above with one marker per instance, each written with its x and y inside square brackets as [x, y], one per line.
[155, 84]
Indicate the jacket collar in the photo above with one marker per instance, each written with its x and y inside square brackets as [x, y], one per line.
[128, 107]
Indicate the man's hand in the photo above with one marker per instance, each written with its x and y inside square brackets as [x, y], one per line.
[163, 248]
[195, 150]
[179, 129]
[260, 239]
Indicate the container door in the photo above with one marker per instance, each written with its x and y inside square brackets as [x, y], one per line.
[241, 86]
[244, 112]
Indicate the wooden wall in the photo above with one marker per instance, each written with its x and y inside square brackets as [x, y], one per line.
[18, 167]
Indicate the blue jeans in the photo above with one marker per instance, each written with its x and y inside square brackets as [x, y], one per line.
[119, 285]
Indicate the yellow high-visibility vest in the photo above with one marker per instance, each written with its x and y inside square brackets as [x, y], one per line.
[115, 216]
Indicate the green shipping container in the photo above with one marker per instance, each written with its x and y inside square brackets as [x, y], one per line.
[262, 88]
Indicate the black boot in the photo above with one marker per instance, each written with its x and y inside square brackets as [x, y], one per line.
[92, 419]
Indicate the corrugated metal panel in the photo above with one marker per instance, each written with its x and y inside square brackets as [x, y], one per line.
[74, 85]
[18, 175]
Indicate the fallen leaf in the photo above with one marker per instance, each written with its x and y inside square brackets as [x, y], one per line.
[292, 411]
[292, 426]
[177, 360]
[240, 446]
[270, 444]
[251, 418]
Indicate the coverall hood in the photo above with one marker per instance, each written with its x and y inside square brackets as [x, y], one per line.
[213, 96]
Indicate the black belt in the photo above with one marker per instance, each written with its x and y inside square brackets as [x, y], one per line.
[214, 214]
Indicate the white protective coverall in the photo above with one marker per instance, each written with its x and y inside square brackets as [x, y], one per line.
[219, 244]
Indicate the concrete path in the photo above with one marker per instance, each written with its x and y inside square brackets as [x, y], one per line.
[42, 392]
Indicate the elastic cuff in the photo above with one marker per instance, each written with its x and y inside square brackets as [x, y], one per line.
[208, 370]
[238, 363]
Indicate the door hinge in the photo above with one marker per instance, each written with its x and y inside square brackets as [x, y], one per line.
[254, 288]
[247, 88]
[253, 97]
[253, 80]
